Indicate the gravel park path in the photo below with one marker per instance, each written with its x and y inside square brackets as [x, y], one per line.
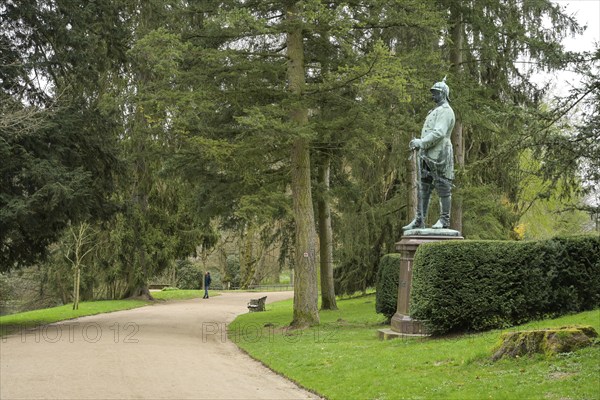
[174, 350]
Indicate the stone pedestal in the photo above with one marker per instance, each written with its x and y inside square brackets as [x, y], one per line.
[402, 323]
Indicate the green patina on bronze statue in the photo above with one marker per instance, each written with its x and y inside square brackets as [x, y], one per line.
[435, 159]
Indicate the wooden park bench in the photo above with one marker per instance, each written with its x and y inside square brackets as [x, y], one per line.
[159, 286]
[257, 304]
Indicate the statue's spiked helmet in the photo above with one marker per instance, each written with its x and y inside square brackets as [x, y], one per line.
[442, 87]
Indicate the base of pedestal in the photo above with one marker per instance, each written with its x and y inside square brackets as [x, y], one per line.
[433, 232]
[404, 324]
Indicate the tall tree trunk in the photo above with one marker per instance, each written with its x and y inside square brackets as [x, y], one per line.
[137, 274]
[137, 279]
[456, 58]
[325, 237]
[173, 277]
[137, 285]
[83, 244]
[259, 268]
[75, 287]
[246, 259]
[306, 297]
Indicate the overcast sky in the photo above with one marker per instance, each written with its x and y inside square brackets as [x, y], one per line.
[587, 13]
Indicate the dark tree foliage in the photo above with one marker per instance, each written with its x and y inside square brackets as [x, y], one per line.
[57, 136]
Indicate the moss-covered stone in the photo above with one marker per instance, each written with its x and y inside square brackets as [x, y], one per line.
[546, 341]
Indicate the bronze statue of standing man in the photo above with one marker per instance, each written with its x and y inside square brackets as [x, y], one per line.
[435, 159]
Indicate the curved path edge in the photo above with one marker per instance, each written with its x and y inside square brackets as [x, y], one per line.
[172, 350]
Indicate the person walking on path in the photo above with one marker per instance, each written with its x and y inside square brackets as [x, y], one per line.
[207, 281]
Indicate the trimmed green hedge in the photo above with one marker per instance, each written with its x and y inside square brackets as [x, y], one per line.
[480, 285]
[388, 274]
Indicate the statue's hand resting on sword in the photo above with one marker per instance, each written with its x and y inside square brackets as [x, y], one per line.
[415, 144]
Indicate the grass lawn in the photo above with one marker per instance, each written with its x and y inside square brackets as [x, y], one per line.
[13, 323]
[29, 319]
[181, 294]
[342, 358]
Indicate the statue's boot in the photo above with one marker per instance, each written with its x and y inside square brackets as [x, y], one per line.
[419, 221]
[444, 221]
[416, 223]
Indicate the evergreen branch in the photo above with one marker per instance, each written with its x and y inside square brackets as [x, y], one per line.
[224, 36]
[263, 54]
[363, 27]
[346, 83]
[594, 86]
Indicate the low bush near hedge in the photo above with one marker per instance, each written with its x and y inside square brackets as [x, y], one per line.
[480, 285]
[387, 285]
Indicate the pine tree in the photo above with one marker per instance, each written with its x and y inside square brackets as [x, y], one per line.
[160, 226]
[57, 131]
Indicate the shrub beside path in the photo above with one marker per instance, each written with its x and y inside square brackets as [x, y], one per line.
[175, 350]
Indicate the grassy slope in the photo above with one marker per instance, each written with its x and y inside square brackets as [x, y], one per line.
[11, 323]
[343, 359]
[181, 294]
